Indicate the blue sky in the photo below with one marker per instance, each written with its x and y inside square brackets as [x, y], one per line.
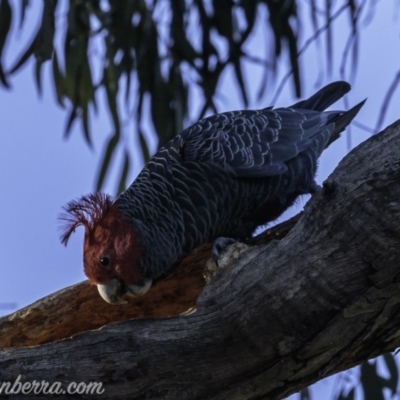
[40, 172]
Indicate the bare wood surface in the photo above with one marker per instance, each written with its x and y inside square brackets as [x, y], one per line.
[79, 308]
[284, 315]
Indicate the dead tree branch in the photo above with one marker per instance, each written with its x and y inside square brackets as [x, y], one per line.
[285, 314]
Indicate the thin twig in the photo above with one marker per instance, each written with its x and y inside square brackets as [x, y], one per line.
[386, 101]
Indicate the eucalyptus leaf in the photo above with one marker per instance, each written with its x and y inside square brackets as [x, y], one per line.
[371, 382]
[24, 58]
[109, 152]
[5, 24]
[59, 81]
[393, 380]
[38, 76]
[24, 6]
[44, 40]
[155, 50]
[72, 115]
[122, 185]
[144, 147]
[349, 396]
[305, 394]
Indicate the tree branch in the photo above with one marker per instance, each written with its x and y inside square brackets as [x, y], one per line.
[284, 315]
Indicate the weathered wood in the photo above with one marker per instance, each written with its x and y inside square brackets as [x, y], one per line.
[286, 314]
[79, 308]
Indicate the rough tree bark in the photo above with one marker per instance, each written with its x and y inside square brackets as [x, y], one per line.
[282, 316]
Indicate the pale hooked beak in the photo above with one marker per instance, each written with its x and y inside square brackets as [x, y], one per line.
[140, 288]
[112, 290]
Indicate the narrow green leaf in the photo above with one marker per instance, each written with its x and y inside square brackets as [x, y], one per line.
[305, 394]
[274, 8]
[161, 112]
[38, 76]
[349, 396]
[3, 78]
[108, 154]
[223, 18]
[208, 48]
[24, 58]
[76, 87]
[144, 147]
[5, 24]
[73, 114]
[371, 382]
[124, 173]
[294, 60]
[87, 90]
[85, 126]
[181, 48]
[128, 82]
[391, 365]
[77, 83]
[180, 98]
[24, 6]
[146, 48]
[42, 44]
[44, 39]
[75, 53]
[250, 12]
[59, 81]
[110, 82]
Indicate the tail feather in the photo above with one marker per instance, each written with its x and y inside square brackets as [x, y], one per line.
[342, 120]
[325, 97]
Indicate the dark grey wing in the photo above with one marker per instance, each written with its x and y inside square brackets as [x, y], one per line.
[325, 97]
[256, 143]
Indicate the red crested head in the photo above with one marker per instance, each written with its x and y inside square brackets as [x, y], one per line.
[110, 248]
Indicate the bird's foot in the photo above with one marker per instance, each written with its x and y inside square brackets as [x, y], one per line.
[220, 245]
[329, 186]
[314, 188]
[223, 252]
[311, 189]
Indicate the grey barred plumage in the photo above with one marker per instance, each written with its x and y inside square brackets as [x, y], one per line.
[228, 174]
[222, 177]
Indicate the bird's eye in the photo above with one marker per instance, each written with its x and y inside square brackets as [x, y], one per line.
[105, 261]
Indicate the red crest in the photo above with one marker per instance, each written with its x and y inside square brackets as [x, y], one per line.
[86, 211]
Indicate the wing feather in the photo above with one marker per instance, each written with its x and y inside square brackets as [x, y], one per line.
[255, 143]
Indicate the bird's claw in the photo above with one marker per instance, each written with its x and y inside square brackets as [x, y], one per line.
[329, 186]
[224, 251]
[219, 246]
[310, 189]
[315, 188]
